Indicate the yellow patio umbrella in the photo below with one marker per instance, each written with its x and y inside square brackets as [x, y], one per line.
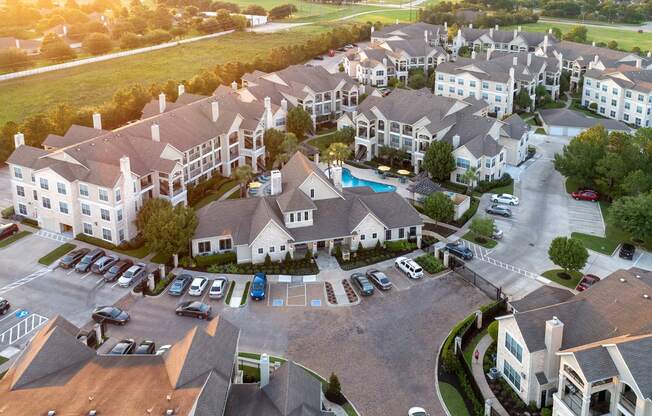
[255, 185]
[384, 168]
[403, 172]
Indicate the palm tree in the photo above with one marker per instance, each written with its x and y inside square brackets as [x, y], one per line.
[337, 153]
[470, 177]
[289, 147]
[244, 174]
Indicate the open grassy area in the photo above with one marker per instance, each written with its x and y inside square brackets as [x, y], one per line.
[600, 244]
[485, 242]
[626, 39]
[214, 196]
[96, 83]
[556, 276]
[58, 252]
[507, 189]
[17, 236]
[453, 400]
[388, 16]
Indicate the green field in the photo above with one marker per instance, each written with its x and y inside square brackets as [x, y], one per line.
[96, 83]
[453, 399]
[387, 16]
[626, 39]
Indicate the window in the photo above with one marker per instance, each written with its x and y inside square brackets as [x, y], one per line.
[118, 196]
[451, 89]
[88, 229]
[282, 247]
[462, 163]
[103, 194]
[639, 109]
[291, 217]
[626, 117]
[105, 214]
[614, 103]
[20, 191]
[499, 87]
[460, 92]
[487, 163]
[83, 189]
[362, 237]
[388, 234]
[498, 99]
[628, 94]
[63, 207]
[627, 106]
[272, 249]
[485, 85]
[46, 203]
[44, 183]
[587, 82]
[35, 195]
[440, 77]
[119, 214]
[106, 234]
[440, 87]
[22, 209]
[260, 251]
[312, 193]
[225, 244]
[513, 347]
[86, 209]
[204, 247]
[121, 235]
[401, 233]
[460, 81]
[604, 88]
[612, 113]
[472, 84]
[614, 91]
[512, 375]
[18, 172]
[374, 235]
[640, 97]
[61, 188]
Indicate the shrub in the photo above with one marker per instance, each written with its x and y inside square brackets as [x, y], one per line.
[8, 213]
[95, 241]
[216, 259]
[401, 245]
[334, 390]
[431, 264]
[492, 329]
[288, 257]
[546, 411]
[484, 186]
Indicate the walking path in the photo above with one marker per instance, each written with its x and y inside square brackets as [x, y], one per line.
[481, 381]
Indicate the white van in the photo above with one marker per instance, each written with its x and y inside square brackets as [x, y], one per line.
[409, 267]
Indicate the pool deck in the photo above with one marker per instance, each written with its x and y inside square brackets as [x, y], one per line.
[371, 175]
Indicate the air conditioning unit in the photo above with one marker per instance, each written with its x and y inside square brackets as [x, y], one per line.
[493, 374]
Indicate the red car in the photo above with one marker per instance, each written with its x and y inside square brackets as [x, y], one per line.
[587, 281]
[7, 230]
[586, 195]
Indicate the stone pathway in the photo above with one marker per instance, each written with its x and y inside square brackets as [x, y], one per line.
[478, 375]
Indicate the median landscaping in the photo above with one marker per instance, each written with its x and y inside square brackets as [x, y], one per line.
[7, 241]
[568, 279]
[57, 253]
[430, 264]
[480, 240]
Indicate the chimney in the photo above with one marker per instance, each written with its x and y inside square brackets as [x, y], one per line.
[520, 29]
[470, 25]
[264, 370]
[515, 60]
[489, 53]
[125, 168]
[649, 54]
[639, 63]
[65, 30]
[596, 58]
[473, 54]
[316, 158]
[373, 29]
[553, 338]
[515, 33]
[268, 103]
[181, 89]
[19, 140]
[545, 44]
[336, 176]
[593, 43]
[215, 111]
[385, 62]
[550, 31]
[17, 43]
[97, 121]
[276, 180]
[234, 86]
[496, 27]
[491, 32]
[529, 58]
[161, 103]
[511, 73]
[456, 141]
[156, 133]
[284, 104]
[446, 26]
[425, 35]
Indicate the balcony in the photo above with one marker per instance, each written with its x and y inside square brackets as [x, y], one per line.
[628, 402]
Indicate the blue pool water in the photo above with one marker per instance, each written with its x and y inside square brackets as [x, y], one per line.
[350, 181]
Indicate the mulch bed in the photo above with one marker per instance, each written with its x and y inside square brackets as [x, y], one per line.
[330, 293]
[350, 293]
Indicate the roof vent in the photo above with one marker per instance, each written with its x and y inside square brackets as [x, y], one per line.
[638, 276]
[622, 280]
[52, 413]
[646, 296]
[169, 412]
[92, 413]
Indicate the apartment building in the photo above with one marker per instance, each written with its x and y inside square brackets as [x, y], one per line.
[500, 40]
[584, 354]
[623, 94]
[412, 120]
[496, 77]
[436, 35]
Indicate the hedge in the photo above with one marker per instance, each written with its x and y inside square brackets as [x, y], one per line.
[8, 213]
[484, 186]
[216, 259]
[95, 241]
[431, 264]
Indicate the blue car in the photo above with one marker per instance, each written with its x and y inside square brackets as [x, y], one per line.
[180, 284]
[258, 286]
[459, 250]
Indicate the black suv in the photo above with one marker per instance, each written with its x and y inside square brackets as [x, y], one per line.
[4, 306]
[85, 263]
[72, 258]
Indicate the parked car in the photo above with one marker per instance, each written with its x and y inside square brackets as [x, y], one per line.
[319, 58]
[218, 288]
[163, 349]
[379, 278]
[117, 270]
[198, 286]
[4, 306]
[91, 257]
[132, 275]
[409, 267]
[111, 315]
[348, 46]
[363, 284]
[258, 286]
[145, 347]
[7, 230]
[497, 234]
[72, 258]
[194, 308]
[504, 199]
[587, 281]
[124, 347]
[102, 265]
[417, 411]
[180, 284]
[459, 250]
[586, 195]
[331, 53]
[498, 210]
[627, 251]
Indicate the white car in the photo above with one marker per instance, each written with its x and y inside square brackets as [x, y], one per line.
[218, 288]
[504, 199]
[198, 286]
[409, 267]
[132, 274]
[417, 411]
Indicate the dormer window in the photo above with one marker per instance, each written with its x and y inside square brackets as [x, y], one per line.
[291, 217]
[312, 193]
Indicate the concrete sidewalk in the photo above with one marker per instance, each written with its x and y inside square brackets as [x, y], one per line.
[478, 375]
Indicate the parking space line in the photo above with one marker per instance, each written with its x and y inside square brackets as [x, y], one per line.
[6, 317]
[70, 272]
[114, 285]
[101, 279]
[85, 276]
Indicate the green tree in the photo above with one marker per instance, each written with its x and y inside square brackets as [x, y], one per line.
[636, 182]
[344, 135]
[576, 34]
[483, 228]
[334, 390]
[53, 47]
[439, 161]
[522, 99]
[243, 174]
[130, 40]
[147, 211]
[13, 59]
[256, 10]
[299, 122]
[439, 207]
[634, 215]
[337, 153]
[556, 32]
[416, 79]
[273, 139]
[568, 253]
[392, 156]
[492, 329]
[97, 43]
[579, 158]
[167, 230]
[612, 44]
[289, 147]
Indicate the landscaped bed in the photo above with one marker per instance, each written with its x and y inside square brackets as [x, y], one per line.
[57, 253]
[138, 250]
[430, 264]
[570, 279]
[7, 241]
[453, 400]
[480, 240]
[368, 256]
[439, 229]
[300, 267]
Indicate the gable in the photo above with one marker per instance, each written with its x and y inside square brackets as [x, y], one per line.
[323, 189]
[271, 231]
[370, 222]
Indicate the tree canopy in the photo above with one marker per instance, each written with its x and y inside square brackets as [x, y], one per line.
[299, 122]
[439, 207]
[167, 230]
[439, 161]
[568, 253]
[634, 214]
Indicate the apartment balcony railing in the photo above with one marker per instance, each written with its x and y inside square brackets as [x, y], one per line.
[195, 172]
[573, 402]
[628, 402]
[145, 182]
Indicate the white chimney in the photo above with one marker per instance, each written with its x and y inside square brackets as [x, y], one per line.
[316, 158]
[156, 133]
[97, 121]
[336, 176]
[515, 33]
[529, 58]
[639, 63]
[234, 86]
[268, 103]
[373, 29]
[489, 53]
[284, 104]
[649, 54]
[215, 111]
[125, 168]
[456, 141]
[446, 26]
[593, 43]
[473, 54]
[425, 35]
[277, 182]
[264, 370]
[161, 103]
[511, 73]
[385, 62]
[17, 43]
[550, 31]
[470, 25]
[515, 60]
[19, 140]
[496, 27]
[553, 339]
[181, 89]
[545, 44]
[491, 32]
[596, 58]
[65, 30]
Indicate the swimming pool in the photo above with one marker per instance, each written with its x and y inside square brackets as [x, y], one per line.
[350, 181]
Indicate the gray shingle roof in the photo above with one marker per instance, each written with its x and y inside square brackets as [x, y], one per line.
[425, 186]
[596, 363]
[635, 79]
[515, 127]
[541, 297]
[569, 118]
[637, 355]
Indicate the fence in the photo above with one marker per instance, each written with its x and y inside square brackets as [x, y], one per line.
[476, 280]
[107, 57]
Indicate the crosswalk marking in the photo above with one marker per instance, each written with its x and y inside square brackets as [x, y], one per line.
[482, 254]
[22, 329]
[24, 280]
[53, 236]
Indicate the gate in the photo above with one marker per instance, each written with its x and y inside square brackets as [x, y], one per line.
[475, 279]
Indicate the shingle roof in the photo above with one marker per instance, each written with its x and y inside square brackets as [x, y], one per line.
[572, 51]
[596, 363]
[10, 42]
[635, 79]
[74, 135]
[541, 297]
[294, 200]
[569, 118]
[637, 355]
[425, 186]
[515, 127]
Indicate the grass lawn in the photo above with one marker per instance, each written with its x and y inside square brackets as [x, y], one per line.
[229, 293]
[507, 189]
[453, 400]
[160, 259]
[58, 252]
[214, 196]
[245, 295]
[3, 360]
[235, 195]
[470, 348]
[626, 39]
[554, 275]
[571, 185]
[540, 130]
[387, 16]
[138, 253]
[93, 84]
[552, 104]
[576, 105]
[15, 237]
[488, 242]
[600, 244]
[322, 142]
